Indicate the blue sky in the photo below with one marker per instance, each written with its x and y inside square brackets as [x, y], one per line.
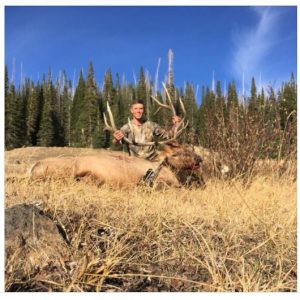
[259, 41]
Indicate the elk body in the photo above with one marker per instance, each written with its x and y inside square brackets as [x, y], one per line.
[118, 169]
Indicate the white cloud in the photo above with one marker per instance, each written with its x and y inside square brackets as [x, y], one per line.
[252, 45]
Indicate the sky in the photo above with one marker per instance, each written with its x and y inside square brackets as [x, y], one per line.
[220, 42]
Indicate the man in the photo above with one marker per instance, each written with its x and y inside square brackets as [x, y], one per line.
[142, 131]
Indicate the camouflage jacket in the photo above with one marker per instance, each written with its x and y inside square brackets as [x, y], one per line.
[147, 132]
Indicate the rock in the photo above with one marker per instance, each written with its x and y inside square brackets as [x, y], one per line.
[33, 244]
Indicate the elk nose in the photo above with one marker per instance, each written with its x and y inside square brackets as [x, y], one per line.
[198, 160]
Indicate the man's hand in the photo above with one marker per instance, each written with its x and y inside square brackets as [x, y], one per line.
[176, 120]
[118, 135]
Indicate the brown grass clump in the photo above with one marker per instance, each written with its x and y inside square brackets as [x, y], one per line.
[226, 237]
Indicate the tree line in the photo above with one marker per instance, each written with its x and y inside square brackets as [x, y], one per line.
[48, 113]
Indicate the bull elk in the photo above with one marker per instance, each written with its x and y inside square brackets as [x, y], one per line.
[119, 170]
[176, 163]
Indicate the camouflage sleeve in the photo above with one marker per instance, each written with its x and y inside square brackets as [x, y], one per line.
[161, 132]
[125, 129]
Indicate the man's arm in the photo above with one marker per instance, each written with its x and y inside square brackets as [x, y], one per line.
[166, 134]
[118, 135]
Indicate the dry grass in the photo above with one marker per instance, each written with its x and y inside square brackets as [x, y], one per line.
[223, 238]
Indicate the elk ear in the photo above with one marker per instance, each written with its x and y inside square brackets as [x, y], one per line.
[167, 148]
[173, 144]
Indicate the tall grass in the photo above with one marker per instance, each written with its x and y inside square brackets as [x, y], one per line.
[226, 237]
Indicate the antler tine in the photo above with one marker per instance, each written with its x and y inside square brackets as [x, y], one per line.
[184, 126]
[182, 107]
[112, 127]
[171, 106]
[181, 123]
[160, 104]
[157, 111]
[177, 133]
[107, 127]
[111, 117]
[130, 125]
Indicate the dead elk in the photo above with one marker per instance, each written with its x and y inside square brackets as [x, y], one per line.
[176, 163]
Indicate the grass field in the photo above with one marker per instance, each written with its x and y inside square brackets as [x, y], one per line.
[226, 237]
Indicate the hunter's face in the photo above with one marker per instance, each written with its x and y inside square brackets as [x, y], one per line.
[137, 111]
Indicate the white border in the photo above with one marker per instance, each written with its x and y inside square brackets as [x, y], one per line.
[126, 3]
[152, 2]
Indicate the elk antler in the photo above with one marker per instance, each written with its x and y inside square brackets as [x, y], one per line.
[180, 126]
[112, 128]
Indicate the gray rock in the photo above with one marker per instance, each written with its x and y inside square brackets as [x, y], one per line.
[33, 244]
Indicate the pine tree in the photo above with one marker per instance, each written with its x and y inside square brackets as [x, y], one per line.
[232, 103]
[120, 119]
[58, 138]
[12, 128]
[261, 99]
[127, 95]
[207, 115]
[23, 113]
[148, 101]
[19, 119]
[201, 125]
[65, 109]
[34, 114]
[57, 92]
[108, 88]
[141, 86]
[6, 81]
[288, 117]
[271, 125]
[191, 111]
[47, 132]
[272, 108]
[91, 123]
[220, 112]
[288, 101]
[8, 116]
[232, 98]
[77, 109]
[220, 102]
[253, 101]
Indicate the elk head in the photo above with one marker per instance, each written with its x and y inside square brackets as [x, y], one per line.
[184, 163]
[180, 157]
